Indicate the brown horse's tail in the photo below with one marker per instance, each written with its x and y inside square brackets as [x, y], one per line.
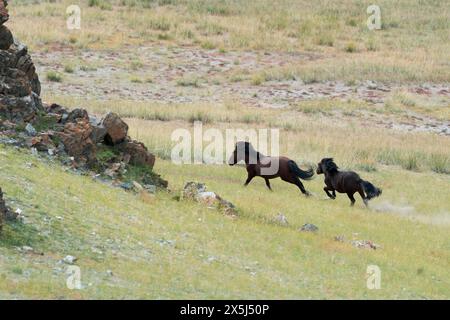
[370, 190]
[305, 175]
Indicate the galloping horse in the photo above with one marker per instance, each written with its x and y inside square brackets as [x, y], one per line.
[258, 165]
[347, 182]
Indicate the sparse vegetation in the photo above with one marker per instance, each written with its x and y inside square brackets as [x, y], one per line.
[138, 245]
[54, 76]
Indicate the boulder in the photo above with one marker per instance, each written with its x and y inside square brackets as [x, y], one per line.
[138, 154]
[19, 109]
[6, 38]
[14, 82]
[77, 141]
[76, 114]
[309, 227]
[116, 129]
[198, 192]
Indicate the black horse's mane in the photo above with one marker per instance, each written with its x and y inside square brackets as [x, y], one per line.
[330, 165]
[249, 149]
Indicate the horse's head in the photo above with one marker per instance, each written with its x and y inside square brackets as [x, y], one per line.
[326, 165]
[243, 151]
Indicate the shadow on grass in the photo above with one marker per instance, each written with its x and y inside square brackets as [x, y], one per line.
[18, 234]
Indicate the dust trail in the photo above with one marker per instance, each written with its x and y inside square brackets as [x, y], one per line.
[409, 212]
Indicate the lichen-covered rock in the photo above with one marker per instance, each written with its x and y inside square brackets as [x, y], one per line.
[76, 114]
[19, 109]
[76, 138]
[138, 154]
[198, 192]
[6, 38]
[116, 129]
[19, 84]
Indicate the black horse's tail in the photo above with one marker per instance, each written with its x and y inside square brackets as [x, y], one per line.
[305, 175]
[370, 190]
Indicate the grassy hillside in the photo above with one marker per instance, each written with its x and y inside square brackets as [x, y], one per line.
[158, 247]
[378, 102]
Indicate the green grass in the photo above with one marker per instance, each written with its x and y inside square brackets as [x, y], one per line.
[54, 76]
[158, 247]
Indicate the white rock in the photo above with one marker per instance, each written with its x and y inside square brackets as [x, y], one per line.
[69, 259]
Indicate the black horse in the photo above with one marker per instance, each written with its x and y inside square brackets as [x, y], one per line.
[347, 182]
[256, 163]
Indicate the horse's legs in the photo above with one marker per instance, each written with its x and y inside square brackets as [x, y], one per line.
[249, 178]
[352, 199]
[299, 184]
[363, 196]
[268, 184]
[327, 191]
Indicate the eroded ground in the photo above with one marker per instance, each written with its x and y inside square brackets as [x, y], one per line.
[260, 79]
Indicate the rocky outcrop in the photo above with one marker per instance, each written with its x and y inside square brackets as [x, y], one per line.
[75, 137]
[19, 84]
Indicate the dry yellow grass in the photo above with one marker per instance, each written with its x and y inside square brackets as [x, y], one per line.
[411, 46]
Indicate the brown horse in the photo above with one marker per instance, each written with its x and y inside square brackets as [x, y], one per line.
[269, 167]
[347, 182]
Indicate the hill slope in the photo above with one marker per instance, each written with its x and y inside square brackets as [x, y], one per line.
[130, 246]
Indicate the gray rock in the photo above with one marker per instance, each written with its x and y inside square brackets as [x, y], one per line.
[309, 227]
[31, 131]
[69, 259]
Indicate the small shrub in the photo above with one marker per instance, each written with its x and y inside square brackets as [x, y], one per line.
[410, 163]
[135, 80]
[208, 45]
[188, 82]
[54, 76]
[440, 163]
[350, 47]
[68, 69]
[200, 116]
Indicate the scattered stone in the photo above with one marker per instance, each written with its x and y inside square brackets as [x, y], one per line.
[150, 188]
[26, 249]
[339, 238]
[365, 244]
[109, 273]
[31, 131]
[115, 170]
[137, 186]
[308, 227]
[281, 219]
[197, 192]
[69, 259]
[126, 186]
